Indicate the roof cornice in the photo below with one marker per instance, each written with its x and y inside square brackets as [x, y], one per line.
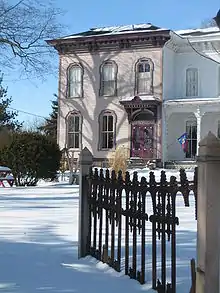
[108, 42]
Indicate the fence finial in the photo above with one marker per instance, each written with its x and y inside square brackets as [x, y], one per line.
[86, 157]
[85, 162]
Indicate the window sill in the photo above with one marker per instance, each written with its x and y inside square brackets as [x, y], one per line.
[108, 96]
[106, 150]
[144, 94]
[74, 149]
[191, 97]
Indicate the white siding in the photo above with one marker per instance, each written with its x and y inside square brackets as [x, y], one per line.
[207, 75]
[168, 74]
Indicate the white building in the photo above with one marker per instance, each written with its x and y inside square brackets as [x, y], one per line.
[191, 90]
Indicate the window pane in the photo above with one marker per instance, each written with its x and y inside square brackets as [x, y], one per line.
[108, 72]
[110, 140]
[75, 81]
[73, 130]
[76, 126]
[108, 87]
[70, 140]
[144, 83]
[71, 123]
[218, 130]
[147, 67]
[191, 129]
[110, 123]
[140, 67]
[76, 146]
[189, 151]
[194, 132]
[108, 79]
[104, 140]
[75, 89]
[194, 147]
[143, 66]
[104, 123]
[78, 89]
[75, 74]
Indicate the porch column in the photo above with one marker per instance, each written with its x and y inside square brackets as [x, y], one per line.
[198, 119]
[165, 117]
[208, 216]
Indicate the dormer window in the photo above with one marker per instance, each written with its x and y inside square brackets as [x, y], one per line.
[144, 77]
[192, 82]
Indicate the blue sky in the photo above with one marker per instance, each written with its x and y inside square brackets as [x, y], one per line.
[34, 96]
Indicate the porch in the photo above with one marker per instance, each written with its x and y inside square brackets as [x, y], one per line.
[196, 117]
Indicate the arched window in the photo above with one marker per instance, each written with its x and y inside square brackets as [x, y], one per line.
[144, 77]
[107, 130]
[74, 130]
[75, 81]
[108, 79]
[192, 82]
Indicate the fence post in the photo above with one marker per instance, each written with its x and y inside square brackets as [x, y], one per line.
[85, 163]
[208, 244]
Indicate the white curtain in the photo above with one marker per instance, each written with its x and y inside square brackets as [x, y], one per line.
[108, 79]
[144, 83]
[75, 81]
[144, 78]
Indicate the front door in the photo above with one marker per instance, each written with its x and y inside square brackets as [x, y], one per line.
[142, 143]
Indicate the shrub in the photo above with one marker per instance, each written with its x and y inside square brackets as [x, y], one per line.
[118, 160]
[5, 137]
[31, 156]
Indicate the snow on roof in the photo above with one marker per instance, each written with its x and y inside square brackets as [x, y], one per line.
[114, 30]
[198, 31]
[193, 101]
[130, 27]
[143, 98]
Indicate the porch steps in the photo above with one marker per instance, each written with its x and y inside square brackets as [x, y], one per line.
[180, 164]
[136, 163]
[139, 163]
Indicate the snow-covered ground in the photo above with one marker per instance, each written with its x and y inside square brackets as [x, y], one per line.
[38, 245]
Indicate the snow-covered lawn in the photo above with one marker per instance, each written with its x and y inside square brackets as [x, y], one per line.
[38, 245]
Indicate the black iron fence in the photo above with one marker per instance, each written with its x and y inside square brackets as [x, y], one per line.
[120, 208]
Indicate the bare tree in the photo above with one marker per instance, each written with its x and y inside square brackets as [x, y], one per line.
[208, 23]
[217, 19]
[24, 27]
[33, 124]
